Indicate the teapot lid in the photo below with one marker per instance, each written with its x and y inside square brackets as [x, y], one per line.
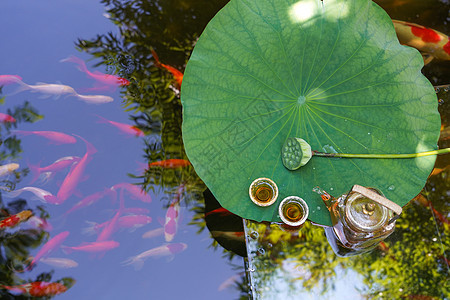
[367, 209]
[365, 214]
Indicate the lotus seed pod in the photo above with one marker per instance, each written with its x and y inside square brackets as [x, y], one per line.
[295, 153]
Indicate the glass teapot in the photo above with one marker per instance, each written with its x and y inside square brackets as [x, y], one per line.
[361, 219]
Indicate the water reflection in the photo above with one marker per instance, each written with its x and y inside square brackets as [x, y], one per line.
[21, 227]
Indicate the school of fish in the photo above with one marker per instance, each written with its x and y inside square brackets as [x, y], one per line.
[130, 205]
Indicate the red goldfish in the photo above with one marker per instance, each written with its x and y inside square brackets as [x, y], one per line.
[135, 210]
[129, 221]
[14, 220]
[75, 174]
[110, 228]
[5, 118]
[125, 128]
[105, 81]
[134, 221]
[56, 166]
[57, 138]
[164, 250]
[177, 75]
[101, 246]
[9, 79]
[91, 199]
[37, 288]
[49, 247]
[95, 99]
[173, 163]
[424, 39]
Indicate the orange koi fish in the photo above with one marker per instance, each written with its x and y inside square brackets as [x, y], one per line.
[9, 79]
[75, 174]
[383, 246]
[14, 220]
[49, 247]
[173, 163]
[37, 288]
[8, 168]
[177, 75]
[125, 128]
[230, 235]
[105, 81]
[424, 39]
[164, 250]
[57, 138]
[220, 211]
[5, 118]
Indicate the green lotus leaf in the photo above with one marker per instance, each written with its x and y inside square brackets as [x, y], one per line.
[332, 73]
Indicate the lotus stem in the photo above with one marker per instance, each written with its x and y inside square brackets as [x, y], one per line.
[409, 155]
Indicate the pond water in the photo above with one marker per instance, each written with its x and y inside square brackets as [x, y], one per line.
[103, 237]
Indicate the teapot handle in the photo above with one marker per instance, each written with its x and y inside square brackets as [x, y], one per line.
[397, 209]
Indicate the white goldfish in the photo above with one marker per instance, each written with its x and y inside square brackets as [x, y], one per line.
[41, 194]
[59, 262]
[164, 250]
[46, 89]
[95, 99]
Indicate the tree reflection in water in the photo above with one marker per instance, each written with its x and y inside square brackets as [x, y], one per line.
[17, 239]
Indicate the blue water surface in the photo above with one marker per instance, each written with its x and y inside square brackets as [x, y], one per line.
[36, 35]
